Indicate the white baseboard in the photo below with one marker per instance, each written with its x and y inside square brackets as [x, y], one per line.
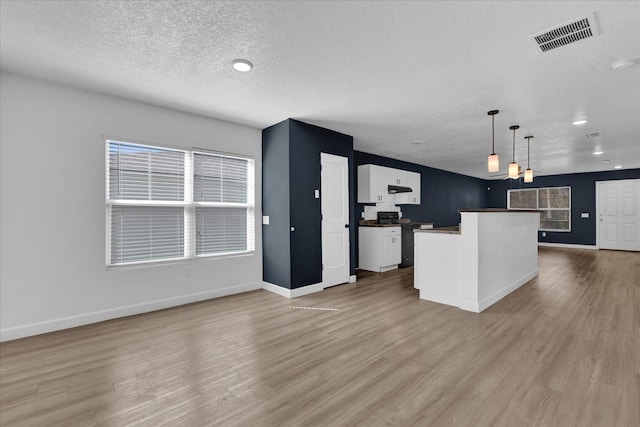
[566, 245]
[31, 329]
[352, 279]
[292, 293]
[501, 293]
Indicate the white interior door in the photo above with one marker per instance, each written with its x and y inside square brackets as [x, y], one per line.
[334, 179]
[619, 214]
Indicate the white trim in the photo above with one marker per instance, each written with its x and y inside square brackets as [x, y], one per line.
[498, 295]
[352, 279]
[567, 245]
[31, 329]
[292, 293]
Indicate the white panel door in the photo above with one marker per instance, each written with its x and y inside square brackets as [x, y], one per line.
[334, 179]
[619, 214]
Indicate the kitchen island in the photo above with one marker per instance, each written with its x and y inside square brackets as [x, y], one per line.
[492, 253]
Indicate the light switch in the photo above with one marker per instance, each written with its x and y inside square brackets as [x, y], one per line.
[265, 219]
[584, 215]
[317, 194]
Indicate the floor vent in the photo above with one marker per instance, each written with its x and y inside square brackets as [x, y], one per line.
[315, 308]
[565, 34]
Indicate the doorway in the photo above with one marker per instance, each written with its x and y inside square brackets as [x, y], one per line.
[618, 209]
[334, 181]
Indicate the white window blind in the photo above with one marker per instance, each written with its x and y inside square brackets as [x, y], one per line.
[144, 233]
[145, 203]
[223, 195]
[554, 204]
[166, 204]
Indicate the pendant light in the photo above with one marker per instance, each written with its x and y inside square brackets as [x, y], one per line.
[493, 161]
[514, 169]
[528, 174]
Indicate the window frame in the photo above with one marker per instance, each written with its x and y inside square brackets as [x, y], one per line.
[249, 205]
[537, 207]
[187, 203]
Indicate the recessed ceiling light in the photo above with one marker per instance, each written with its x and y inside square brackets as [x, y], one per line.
[242, 65]
[597, 153]
[625, 64]
[579, 122]
[617, 167]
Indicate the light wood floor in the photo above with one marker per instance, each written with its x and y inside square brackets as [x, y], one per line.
[562, 350]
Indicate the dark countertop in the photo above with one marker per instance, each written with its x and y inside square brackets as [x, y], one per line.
[442, 230]
[373, 223]
[498, 210]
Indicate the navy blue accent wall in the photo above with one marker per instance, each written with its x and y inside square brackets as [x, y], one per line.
[442, 193]
[291, 174]
[583, 199]
[306, 143]
[276, 251]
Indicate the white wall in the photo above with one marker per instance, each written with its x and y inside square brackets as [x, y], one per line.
[52, 210]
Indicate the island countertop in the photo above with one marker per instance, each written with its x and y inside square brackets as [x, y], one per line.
[497, 210]
[443, 230]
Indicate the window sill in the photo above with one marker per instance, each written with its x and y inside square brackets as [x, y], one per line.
[199, 258]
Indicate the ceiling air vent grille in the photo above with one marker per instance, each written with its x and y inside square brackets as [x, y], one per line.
[565, 34]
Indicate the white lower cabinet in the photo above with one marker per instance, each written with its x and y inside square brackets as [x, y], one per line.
[379, 248]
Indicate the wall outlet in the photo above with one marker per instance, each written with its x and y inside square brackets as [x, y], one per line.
[317, 194]
[544, 234]
[584, 215]
[265, 219]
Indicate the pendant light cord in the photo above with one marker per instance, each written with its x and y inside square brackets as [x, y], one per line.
[513, 158]
[493, 134]
[528, 138]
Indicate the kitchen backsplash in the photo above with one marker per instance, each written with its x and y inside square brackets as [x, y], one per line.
[371, 212]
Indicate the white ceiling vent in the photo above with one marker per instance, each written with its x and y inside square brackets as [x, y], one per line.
[565, 34]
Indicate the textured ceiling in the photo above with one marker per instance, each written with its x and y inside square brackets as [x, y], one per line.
[387, 72]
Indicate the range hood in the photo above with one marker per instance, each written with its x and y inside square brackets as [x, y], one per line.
[393, 189]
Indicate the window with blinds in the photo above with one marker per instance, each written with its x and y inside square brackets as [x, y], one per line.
[222, 195]
[168, 204]
[554, 204]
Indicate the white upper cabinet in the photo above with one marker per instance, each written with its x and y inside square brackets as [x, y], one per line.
[396, 177]
[374, 180]
[372, 184]
[413, 198]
